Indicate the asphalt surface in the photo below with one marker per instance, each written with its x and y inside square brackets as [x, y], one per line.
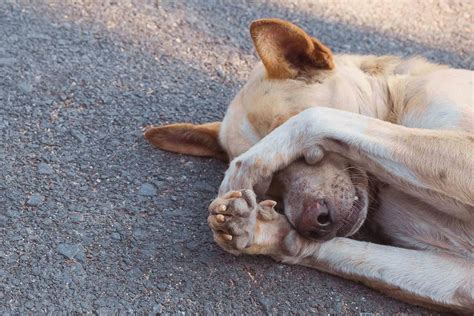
[92, 218]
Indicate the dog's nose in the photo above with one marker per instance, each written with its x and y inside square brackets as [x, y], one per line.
[315, 220]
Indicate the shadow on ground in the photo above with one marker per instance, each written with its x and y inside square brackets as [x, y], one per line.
[94, 219]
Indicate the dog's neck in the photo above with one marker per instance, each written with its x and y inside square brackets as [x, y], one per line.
[380, 82]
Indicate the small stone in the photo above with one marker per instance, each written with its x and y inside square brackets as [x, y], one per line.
[174, 198]
[76, 217]
[81, 138]
[44, 168]
[116, 236]
[220, 72]
[162, 286]
[147, 189]
[48, 221]
[193, 245]
[25, 87]
[35, 199]
[72, 251]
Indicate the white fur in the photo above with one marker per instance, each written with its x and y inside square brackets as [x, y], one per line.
[439, 115]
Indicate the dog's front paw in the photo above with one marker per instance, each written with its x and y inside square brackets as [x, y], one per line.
[241, 225]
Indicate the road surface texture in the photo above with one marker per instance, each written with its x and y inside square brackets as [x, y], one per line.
[95, 220]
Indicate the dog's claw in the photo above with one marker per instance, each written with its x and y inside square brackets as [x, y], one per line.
[220, 218]
[227, 237]
[234, 195]
[221, 208]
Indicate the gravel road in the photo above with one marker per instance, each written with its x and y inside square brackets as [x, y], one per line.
[92, 218]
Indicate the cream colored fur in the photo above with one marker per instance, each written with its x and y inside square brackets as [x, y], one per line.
[383, 142]
[408, 122]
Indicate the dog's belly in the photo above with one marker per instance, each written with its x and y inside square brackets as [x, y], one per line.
[404, 221]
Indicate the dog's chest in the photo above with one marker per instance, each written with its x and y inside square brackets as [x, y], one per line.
[403, 221]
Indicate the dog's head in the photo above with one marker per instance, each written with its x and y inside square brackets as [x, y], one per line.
[296, 72]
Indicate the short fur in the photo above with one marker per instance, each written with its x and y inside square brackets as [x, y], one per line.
[347, 140]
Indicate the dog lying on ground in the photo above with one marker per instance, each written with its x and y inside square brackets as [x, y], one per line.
[342, 142]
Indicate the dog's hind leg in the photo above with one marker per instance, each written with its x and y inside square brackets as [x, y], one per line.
[419, 277]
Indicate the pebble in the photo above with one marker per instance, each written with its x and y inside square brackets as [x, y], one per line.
[220, 72]
[48, 221]
[25, 87]
[44, 168]
[162, 286]
[72, 251]
[35, 199]
[147, 189]
[77, 135]
[76, 217]
[116, 236]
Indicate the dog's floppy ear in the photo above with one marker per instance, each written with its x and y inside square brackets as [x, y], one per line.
[287, 51]
[196, 140]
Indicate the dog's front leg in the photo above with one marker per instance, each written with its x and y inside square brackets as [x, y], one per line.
[242, 226]
[424, 162]
[417, 277]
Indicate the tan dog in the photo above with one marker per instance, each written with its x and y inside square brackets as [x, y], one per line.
[342, 141]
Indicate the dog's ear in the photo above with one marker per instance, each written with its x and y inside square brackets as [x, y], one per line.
[287, 51]
[196, 140]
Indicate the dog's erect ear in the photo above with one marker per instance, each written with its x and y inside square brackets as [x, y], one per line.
[287, 51]
[196, 140]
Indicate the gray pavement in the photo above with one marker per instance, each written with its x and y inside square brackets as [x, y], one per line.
[92, 218]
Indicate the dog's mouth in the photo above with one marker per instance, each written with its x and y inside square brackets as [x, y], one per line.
[353, 220]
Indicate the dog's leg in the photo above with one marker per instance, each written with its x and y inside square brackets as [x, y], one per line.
[436, 166]
[242, 226]
[419, 277]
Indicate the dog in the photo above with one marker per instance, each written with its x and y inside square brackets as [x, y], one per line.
[340, 144]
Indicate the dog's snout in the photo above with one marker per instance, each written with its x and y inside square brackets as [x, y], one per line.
[319, 212]
[316, 219]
